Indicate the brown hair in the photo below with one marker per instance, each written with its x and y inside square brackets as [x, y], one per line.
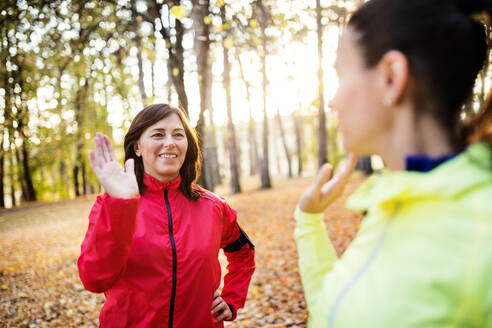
[189, 171]
[446, 47]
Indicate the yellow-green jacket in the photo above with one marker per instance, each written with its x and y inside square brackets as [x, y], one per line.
[422, 257]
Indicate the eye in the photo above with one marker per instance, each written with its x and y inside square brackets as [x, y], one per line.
[179, 134]
[157, 135]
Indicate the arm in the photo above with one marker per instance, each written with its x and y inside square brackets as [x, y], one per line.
[315, 251]
[106, 245]
[241, 266]
[105, 249]
[240, 253]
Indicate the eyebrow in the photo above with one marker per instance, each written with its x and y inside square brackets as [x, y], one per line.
[161, 129]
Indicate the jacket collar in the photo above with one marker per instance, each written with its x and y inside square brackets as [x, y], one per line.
[471, 169]
[152, 184]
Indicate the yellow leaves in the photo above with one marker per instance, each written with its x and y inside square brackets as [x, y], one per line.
[48, 274]
[253, 23]
[228, 43]
[218, 28]
[256, 40]
[178, 11]
[175, 71]
[168, 44]
[207, 20]
[219, 3]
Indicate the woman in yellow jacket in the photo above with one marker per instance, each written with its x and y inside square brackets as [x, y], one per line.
[423, 255]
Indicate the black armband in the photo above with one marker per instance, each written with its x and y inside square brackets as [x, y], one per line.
[239, 243]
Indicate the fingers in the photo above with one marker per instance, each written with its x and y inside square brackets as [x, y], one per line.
[99, 149]
[217, 304]
[337, 183]
[224, 315]
[324, 175]
[130, 166]
[349, 166]
[222, 308]
[93, 162]
[109, 148]
[102, 146]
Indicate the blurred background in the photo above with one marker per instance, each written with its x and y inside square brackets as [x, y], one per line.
[254, 76]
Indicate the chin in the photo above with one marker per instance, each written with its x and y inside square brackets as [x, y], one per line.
[356, 147]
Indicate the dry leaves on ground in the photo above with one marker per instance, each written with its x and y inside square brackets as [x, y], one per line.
[40, 286]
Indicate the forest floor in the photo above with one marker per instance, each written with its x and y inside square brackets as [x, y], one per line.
[40, 244]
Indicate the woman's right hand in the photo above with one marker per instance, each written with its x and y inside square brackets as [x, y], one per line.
[325, 189]
[115, 181]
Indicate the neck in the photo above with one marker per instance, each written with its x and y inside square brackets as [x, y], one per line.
[412, 134]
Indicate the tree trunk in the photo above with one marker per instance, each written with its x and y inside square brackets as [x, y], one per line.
[253, 146]
[322, 137]
[175, 49]
[231, 133]
[81, 94]
[265, 174]
[76, 184]
[141, 85]
[2, 176]
[138, 42]
[298, 128]
[284, 142]
[177, 62]
[12, 176]
[202, 47]
[22, 181]
[30, 192]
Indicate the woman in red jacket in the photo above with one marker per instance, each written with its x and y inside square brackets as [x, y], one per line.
[154, 237]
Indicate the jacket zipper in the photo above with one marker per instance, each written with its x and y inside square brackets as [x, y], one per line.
[379, 244]
[175, 259]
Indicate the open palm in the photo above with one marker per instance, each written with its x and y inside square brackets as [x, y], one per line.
[115, 181]
[325, 189]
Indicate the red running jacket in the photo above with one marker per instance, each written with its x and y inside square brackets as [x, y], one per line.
[155, 257]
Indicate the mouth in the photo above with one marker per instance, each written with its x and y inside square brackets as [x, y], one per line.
[168, 156]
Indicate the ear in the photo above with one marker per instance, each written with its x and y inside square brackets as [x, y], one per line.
[136, 148]
[393, 68]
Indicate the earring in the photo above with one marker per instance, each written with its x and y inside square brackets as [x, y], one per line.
[387, 102]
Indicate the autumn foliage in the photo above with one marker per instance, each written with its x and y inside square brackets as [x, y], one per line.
[40, 286]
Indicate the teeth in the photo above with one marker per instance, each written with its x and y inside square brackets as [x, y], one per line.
[168, 156]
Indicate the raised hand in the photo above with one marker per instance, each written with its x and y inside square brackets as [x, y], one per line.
[116, 182]
[325, 189]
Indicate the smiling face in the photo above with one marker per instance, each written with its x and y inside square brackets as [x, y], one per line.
[358, 101]
[163, 147]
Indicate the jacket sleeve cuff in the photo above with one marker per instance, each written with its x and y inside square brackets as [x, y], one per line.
[233, 310]
[307, 219]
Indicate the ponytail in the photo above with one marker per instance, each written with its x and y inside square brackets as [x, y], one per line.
[446, 48]
[480, 127]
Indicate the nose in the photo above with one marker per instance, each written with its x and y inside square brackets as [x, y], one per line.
[332, 103]
[168, 142]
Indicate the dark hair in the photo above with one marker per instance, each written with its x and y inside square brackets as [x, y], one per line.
[444, 45]
[190, 170]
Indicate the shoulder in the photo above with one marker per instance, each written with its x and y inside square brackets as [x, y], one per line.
[208, 196]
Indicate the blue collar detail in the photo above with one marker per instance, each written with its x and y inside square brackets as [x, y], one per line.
[423, 163]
